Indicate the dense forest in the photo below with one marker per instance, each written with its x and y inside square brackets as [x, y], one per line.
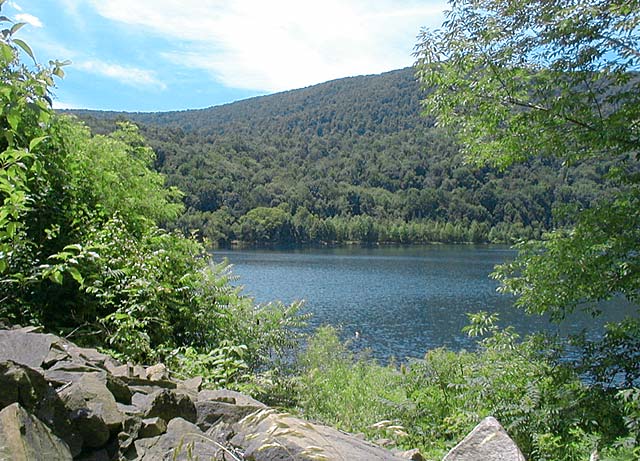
[348, 160]
[87, 250]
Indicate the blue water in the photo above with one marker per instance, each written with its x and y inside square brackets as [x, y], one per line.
[402, 301]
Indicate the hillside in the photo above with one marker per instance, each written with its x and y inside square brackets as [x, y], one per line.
[347, 160]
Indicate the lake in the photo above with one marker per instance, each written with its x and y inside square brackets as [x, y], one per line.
[402, 301]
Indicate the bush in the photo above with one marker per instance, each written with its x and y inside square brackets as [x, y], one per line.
[433, 403]
[82, 252]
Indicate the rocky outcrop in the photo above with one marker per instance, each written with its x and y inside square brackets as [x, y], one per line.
[59, 401]
[488, 442]
[25, 437]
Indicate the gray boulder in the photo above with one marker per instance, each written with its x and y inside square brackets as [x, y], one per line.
[152, 427]
[222, 405]
[488, 441]
[93, 409]
[267, 435]
[165, 404]
[22, 346]
[23, 385]
[183, 441]
[25, 438]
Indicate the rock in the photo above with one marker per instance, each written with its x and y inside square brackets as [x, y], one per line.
[119, 389]
[146, 386]
[93, 410]
[266, 435]
[166, 404]
[214, 406]
[192, 385]
[103, 410]
[62, 378]
[25, 437]
[157, 372]
[227, 396]
[75, 366]
[130, 433]
[23, 385]
[120, 371]
[211, 412]
[20, 346]
[488, 441]
[183, 441]
[152, 427]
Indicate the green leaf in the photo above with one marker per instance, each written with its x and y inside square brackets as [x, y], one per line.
[11, 228]
[56, 277]
[58, 72]
[13, 117]
[17, 26]
[7, 52]
[75, 273]
[36, 141]
[24, 47]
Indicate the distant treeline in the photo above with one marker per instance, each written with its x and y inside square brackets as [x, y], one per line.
[348, 160]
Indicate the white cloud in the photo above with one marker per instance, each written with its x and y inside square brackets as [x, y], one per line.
[64, 105]
[126, 75]
[282, 44]
[15, 6]
[29, 19]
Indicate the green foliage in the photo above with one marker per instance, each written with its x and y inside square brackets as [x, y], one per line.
[221, 367]
[348, 160]
[265, 225]
[82, 251]
[433, 403]
[549, 80]
[350, 393]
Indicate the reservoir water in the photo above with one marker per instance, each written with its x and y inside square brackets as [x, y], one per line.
[402, 301]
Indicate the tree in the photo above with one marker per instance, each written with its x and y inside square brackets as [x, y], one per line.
[82, 250]
[538, 78]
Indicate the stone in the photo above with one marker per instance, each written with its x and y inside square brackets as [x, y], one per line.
[93, 410]
[129, 434]
[63, 378]
[166, 404]
[266, 435]
[75, 366]
[157, 372]
[103, 410]
[120, 371]
[24, 437]
[488, 441]
[212, 412]
[214, 406]
[183, 441]
[119, 389]
[30, 349]
[152, 427]
[192, 385]
[23, 385]
[228, 396]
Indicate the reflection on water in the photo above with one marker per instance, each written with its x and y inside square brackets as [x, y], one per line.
[402, 301]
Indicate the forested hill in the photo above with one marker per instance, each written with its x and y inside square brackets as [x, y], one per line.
[347, 160]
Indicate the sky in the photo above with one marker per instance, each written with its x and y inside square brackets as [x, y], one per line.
[159, 55]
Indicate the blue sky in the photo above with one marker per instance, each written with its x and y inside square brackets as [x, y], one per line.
[154, 55]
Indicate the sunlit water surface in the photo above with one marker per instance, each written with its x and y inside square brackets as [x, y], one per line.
[402, 301]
